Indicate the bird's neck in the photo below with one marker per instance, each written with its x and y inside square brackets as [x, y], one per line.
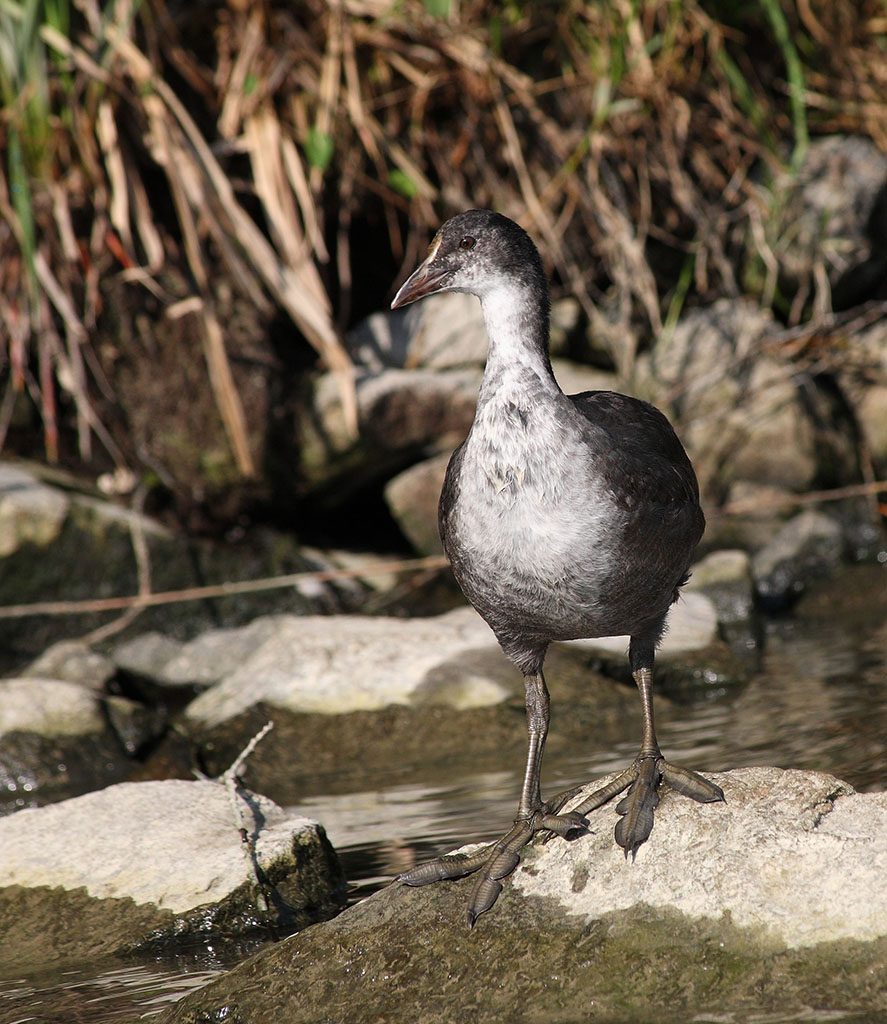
[516, 319]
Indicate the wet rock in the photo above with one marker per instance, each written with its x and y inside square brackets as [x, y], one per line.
[136, 725]
[412, 498]
[317, 753]
[332, 665]
[765, 900]
[690, 660]
[30, 512]
[150, 864]
[739, 413]
[73, 662]
[55, 741]
[807, 548]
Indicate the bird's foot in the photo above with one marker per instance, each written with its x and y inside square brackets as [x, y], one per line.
[496, 861]
[642, 780]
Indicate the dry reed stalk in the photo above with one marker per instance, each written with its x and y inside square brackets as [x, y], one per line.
[617, 132]
[291, 285]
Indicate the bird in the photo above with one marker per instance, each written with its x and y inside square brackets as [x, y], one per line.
[562, 517]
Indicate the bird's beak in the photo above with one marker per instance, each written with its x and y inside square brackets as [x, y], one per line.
[426, 279]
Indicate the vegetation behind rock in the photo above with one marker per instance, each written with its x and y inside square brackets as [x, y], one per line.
[197, 202]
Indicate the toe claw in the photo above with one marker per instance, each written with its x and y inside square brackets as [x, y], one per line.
[565, 825]
[637, 807]
[485, 894]
[454, 865]
[691, 784]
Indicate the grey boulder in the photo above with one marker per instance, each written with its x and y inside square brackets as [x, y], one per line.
[149, 863]
[772, 900]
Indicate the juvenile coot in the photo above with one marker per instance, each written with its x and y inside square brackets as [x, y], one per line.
[563, 516]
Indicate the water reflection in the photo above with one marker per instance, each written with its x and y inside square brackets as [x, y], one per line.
[95, 995]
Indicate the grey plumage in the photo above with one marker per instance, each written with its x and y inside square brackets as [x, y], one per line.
[563, 517]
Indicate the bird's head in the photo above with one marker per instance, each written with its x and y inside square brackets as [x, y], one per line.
[477, 252]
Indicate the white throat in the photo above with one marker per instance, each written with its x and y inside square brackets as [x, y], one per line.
[508, 317]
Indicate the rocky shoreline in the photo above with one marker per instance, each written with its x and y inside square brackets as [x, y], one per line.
[119, 832]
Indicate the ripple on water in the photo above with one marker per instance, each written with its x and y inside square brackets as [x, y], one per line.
[100, 995]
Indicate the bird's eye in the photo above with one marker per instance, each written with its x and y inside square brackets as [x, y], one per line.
[467, 243]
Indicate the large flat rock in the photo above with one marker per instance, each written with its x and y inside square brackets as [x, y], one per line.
[772, 902]
[155, 861]
[337, 664]
[793, 856]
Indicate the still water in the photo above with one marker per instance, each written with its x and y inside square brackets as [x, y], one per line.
[819, 702]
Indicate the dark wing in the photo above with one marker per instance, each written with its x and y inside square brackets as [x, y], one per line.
[642, 461]
[448, 500]
[643, 444]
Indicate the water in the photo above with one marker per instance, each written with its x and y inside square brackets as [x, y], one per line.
[94, 995]
[820, 702]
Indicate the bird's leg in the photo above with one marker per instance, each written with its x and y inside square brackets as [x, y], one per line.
[497, 861]
[643, 777]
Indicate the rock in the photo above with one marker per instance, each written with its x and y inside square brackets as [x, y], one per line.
[444, 332]
[401, 413]
[200, 662]
[364, 564]
[54, 743]
[31, 513]
[412, 498]
[690, 662]
[825, 216]
[692, 625]
[136, 725]
[762, 901]
[863, 378]
[146, 656]
[75, 662]
[318, 754]
[332, 665]
[574, 378]
[807, 548]
[872, 413]
[753, 513]
[566, 324]
[725, 578]
[738, 412]
[97, 534]
[779, 836]
[152, 863]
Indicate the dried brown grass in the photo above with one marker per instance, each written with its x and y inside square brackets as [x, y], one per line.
[623, 135]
